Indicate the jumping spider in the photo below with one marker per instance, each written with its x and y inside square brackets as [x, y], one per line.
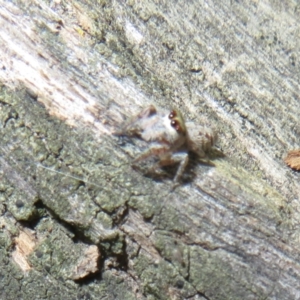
[170, 137]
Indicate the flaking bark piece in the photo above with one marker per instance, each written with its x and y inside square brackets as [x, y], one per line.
[293, 159]
[88, 264]
[24, 246]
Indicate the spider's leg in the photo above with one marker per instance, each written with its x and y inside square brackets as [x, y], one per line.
[154, 150]
[146, 112]
[181, 158]
[133, 126]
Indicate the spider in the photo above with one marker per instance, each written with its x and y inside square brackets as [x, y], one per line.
[170, 137]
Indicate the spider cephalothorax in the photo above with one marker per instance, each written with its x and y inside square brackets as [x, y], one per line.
[170, 138]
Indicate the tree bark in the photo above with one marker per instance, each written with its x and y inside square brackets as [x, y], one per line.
[77, 221]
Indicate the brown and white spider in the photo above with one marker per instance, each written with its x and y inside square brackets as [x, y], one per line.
[169, 136]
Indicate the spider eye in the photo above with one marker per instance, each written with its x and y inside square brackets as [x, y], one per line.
[172, 114]
[175, 124]
[177, 121]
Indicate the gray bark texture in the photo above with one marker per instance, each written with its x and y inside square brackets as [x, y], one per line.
[77, 221]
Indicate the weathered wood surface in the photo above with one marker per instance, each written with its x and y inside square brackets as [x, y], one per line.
[229, 231]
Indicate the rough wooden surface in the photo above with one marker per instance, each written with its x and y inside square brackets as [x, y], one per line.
[77, 222]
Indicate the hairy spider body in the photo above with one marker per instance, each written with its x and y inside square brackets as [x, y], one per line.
[169, 136]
